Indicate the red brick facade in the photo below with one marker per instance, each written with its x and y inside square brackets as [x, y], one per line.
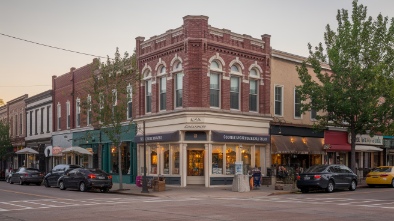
[195, 44]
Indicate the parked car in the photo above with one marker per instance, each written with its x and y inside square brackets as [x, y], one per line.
[8, 176]
[327, 177]
[53, 176]
[85, 179]
[383, 175]
[26, 176]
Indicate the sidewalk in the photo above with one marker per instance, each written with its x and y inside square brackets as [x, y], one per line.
[201, 191]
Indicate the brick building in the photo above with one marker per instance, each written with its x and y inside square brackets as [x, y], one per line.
[204, 98]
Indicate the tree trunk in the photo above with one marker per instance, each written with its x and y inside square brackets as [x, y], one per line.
[120, 165]
[353, 150]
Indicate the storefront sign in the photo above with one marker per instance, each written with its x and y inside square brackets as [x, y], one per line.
[163, 137]
[366, 139]
[220, 136]
[195, 126]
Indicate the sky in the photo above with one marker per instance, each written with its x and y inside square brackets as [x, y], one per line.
[98, 27]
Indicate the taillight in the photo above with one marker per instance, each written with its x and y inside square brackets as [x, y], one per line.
[92, 176]
[298, 177]
[317, 177]
[383, 175]
[109, 176]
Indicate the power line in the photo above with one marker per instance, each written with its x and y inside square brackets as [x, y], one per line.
[51, 46]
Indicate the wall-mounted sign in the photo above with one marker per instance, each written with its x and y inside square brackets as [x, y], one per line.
[366, 139]
[195, 126]
[162, 137]
[221, 136]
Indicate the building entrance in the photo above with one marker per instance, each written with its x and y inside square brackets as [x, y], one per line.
[195, 166]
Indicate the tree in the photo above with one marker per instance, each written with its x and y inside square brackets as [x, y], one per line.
[110, 92]
[358, 94]
[5, 141]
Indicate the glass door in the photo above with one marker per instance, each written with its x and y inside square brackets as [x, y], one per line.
[195, 159]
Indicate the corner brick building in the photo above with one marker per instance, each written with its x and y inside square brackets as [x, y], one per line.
[204, 97]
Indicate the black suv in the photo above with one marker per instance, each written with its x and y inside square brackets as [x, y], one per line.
[51, 178]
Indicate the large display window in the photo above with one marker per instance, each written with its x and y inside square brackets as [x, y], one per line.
[175, 159]
[217, 159]
[246, 158]
[231, 157]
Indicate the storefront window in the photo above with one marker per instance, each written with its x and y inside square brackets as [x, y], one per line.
[217, 160]
[166, 155]
[230, 159]
[125, 158]
[175, 159]
[153, 161]
[257, 162]
[246, 158]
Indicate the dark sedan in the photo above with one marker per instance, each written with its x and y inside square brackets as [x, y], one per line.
[59, 170]
[85, 179]
[327, 177]
[26, 176]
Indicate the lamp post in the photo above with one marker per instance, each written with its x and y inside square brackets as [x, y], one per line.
[144, 180]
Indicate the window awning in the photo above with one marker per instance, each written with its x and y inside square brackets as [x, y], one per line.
[336, 141]
[296, 145]
[364, 148]
[339, 148]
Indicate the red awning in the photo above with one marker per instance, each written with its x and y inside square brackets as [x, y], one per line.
[336, 141]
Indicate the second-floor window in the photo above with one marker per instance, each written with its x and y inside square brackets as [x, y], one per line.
[20, 124]
[148, 92]
[129, 102]
[78, 113]
[42, 121]
[59, 115]
[162, 88]
[48, 118]
[278, 100]
[68, 114]
[253, 95]
[178, 84]
[35, 122]
[31, 123]
[313, 112]
[297, 104]
[214, 84]
[89, 111]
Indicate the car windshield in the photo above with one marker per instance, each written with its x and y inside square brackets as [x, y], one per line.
[316, 168]
[382, 169]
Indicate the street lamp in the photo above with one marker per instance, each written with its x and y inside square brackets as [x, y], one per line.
[144, 180]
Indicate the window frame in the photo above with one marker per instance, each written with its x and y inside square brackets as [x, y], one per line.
[68, 112]
[78, 112]
[215, 70]
[59, 115]
[129, 102]
[296, 98]
[278, 101]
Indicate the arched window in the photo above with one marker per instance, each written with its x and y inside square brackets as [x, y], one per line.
[253, 89]
[162, 87]
[148, 91]
[178, 74]
[235, 86]
[214, 85]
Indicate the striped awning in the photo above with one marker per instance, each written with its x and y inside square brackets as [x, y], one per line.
[296, 145]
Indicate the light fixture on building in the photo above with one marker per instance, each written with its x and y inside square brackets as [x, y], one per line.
[292, 139]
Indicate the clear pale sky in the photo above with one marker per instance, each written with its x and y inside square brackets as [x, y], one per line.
[97, 27]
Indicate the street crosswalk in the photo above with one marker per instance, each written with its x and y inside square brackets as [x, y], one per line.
[57, 203]
[372, 203]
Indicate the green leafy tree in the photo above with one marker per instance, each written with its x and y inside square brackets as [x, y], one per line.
[5, 142]
[358, 92]
[110, 91]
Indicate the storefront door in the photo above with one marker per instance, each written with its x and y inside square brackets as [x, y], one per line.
[195, 166]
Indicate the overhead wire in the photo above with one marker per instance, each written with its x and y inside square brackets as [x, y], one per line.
[21, 39]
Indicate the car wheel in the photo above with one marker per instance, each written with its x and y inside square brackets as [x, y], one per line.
[104, 190]
[46, 184]
[38, 184]
[82, 187]
[21, 182]
[11, 181]
[353, 185]
[330, 187]
[61, 185]
[304, 190]
[392, 183]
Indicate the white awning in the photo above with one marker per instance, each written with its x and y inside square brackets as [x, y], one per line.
[364, 148]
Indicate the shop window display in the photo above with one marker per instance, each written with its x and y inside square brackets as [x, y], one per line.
[153, 162]
[257, 160]
[166, 156]
[125, 158]
[217, 160]
[195, 159]
[175, 159]
[230, 159]
[246, 158]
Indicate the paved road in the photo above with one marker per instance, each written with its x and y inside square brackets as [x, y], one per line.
[40, 203]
